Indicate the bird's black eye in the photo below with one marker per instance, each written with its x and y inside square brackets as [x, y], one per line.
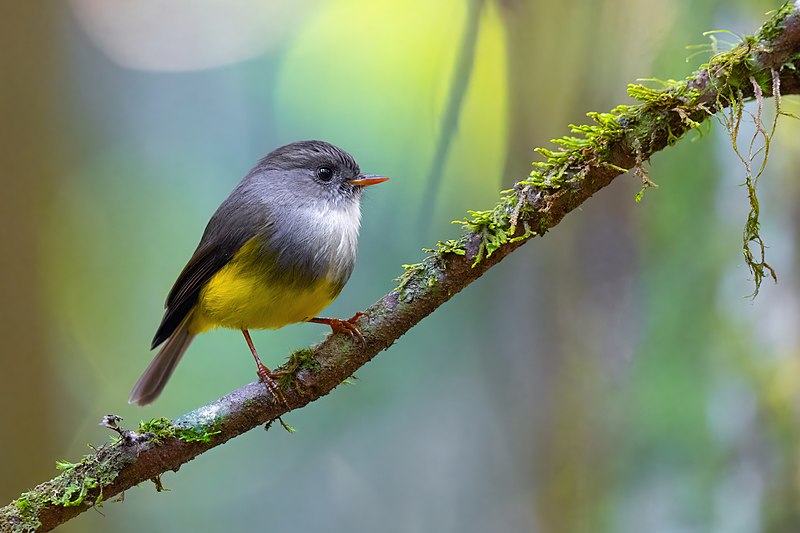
[324, 173]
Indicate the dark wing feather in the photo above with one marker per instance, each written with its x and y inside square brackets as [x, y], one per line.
[236, 221]
[206, 261]
[196, 271]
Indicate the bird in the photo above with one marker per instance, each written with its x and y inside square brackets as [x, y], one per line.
[277, 251]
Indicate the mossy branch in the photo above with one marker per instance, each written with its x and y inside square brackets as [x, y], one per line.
[617, 141]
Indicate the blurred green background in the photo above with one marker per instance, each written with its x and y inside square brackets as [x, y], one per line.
[610, 377]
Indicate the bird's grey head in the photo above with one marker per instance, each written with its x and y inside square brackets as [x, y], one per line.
[311, 171]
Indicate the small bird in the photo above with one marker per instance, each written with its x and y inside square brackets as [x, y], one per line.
[277, 251]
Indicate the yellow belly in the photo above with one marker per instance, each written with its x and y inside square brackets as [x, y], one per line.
[242, 295]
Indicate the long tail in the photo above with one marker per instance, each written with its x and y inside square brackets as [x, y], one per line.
[152, 382]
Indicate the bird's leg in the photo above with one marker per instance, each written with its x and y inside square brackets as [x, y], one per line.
[342, 326]
[263, 372]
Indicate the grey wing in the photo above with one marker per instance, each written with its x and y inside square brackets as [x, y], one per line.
[206, 261]
[236, 221]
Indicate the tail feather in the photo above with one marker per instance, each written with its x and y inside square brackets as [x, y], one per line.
[152, 382]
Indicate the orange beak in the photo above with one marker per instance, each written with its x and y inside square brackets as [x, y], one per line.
[364, 181]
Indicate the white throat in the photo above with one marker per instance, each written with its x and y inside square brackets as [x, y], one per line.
[336, 231]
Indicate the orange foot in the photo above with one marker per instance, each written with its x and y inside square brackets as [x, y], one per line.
[269, 380]
[264, 374]
[342, 326]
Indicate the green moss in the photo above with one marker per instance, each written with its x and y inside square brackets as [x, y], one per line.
[670, 95]
[409, 272]
[196, 434]
[65, 465]
[159, 429]
[498, 226]
[23, 505]
[162, 429]
[27, 516]
[589, 146]
[773, 27]
[79, 483]
[94, 471]
[425, 271]
[453, 246]
[492, 228]
[304, 358]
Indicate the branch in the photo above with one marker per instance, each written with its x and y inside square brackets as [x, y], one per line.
[618, 141]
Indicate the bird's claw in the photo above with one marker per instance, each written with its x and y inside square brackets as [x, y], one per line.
[269, 380]
[344, 326]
